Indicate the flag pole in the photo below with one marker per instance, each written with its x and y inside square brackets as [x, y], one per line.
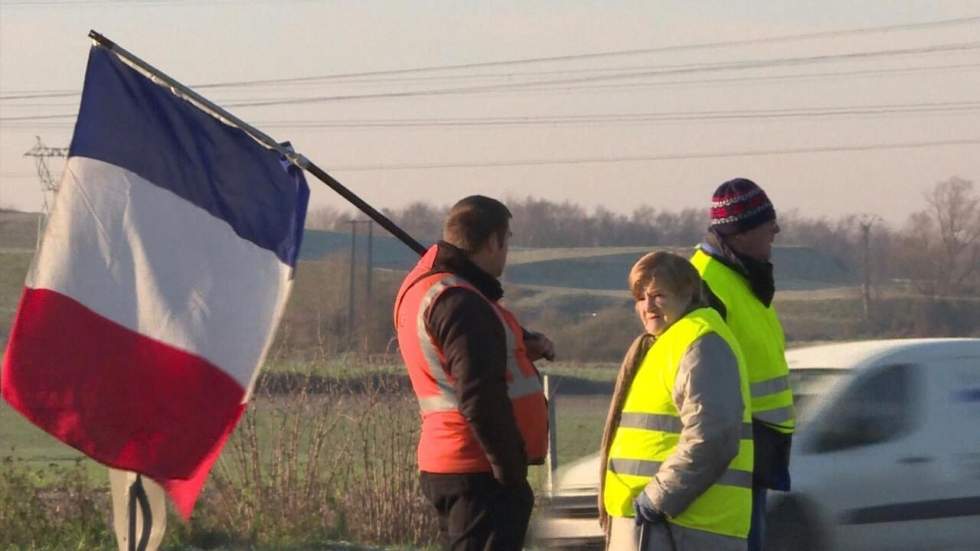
[297, 159]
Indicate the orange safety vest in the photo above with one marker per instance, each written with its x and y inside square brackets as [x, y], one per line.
[447, 443]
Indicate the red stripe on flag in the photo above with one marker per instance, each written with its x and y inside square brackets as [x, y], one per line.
[124, 399]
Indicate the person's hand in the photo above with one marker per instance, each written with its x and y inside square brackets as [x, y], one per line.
[511, 477]
[645, 510]
[539, 346]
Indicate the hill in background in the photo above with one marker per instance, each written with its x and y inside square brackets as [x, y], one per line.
[577, 294]
[591, 268]
[18, 230]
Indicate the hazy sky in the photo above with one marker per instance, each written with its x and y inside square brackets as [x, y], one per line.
[614, 130]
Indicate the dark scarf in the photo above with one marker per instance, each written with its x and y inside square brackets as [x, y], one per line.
[452, 259]
[759, 273]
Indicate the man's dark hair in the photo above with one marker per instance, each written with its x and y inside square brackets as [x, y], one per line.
[473, 220]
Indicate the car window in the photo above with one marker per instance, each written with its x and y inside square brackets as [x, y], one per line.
[879, 407]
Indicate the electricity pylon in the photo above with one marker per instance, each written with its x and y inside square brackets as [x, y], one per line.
[49, 184]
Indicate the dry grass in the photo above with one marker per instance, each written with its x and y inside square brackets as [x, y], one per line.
[55, 507]
[330, 461]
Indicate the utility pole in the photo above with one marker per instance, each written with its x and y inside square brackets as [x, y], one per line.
[49, 185]
[368, 295]
[864, 223]
[551, 456]
[350, 293]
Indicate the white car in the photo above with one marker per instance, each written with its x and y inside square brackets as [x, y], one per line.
[886, 455]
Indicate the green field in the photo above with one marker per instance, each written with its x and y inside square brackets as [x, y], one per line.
[581, 398]
[581, 401]
[340, 444]
[13, 270]
[18, 230]
[22, 440]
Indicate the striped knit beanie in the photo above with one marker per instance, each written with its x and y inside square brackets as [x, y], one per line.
[739, 205]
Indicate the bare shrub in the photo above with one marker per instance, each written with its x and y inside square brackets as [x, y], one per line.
[269, 483]
[380, 495]
[941, 244]
[334, 458]
[52, 507]
[275, 480]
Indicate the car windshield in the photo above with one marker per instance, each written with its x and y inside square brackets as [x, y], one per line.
[809, 384]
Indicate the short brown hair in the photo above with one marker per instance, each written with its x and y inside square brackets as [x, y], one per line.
[473, 220]
[669, 269]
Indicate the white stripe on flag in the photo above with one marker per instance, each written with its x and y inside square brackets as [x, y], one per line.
[154, 263]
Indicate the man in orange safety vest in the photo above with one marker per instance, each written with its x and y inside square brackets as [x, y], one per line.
[484, 416]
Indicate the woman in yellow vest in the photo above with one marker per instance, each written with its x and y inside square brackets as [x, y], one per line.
[677, 447]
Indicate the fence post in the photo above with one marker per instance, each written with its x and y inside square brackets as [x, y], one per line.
[551, 458]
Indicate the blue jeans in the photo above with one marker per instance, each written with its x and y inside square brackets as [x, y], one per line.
[757, 530]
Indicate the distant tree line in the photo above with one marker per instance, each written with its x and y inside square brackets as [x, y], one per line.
[936, 250]
[923, 275]
[543, 223]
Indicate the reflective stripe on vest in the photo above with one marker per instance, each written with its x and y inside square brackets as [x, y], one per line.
[760, 335]
[771, 386]
[665, 423]
[781, 417]
[650, 427]
[446, 399]
[519, 384]
[642, 467]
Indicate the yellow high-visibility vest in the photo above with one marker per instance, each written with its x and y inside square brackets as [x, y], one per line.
[650, 428]
[760, 335]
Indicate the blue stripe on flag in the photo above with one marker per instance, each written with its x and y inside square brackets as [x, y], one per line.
[128, 121]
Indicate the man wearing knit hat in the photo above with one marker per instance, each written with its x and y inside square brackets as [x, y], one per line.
[734, 262]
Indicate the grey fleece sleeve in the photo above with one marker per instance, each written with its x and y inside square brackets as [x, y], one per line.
[708, 396]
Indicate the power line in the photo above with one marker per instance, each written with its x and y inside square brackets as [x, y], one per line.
[738, 65]
[524, 61]
[637, 117]
[38, 117]
[629, 117]
[617, 53]
[501, 75]
[645, 158]
[24, 120]
[624, 76]
[16, 95]
[643, 85]
[511, 75]
[749, 79]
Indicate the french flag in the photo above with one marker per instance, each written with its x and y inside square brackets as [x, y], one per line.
[163, 273]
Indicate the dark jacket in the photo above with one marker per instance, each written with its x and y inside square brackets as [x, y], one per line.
[471, 336]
